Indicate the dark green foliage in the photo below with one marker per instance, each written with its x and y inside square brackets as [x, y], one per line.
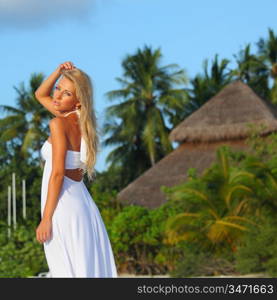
[194, 262]
[137, 124]
[257, 252]
[204, 86]
[137, 236]
[21, 255]
[215, 206]
[104, 196]
[205, 202]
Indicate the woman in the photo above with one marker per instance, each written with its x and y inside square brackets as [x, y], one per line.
[75, 240]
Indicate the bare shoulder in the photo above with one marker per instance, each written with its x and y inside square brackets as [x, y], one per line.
[57, 124]
[57, 120]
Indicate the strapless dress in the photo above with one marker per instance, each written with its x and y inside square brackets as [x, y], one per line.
[79, 246]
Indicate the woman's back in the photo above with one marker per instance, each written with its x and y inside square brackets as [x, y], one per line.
[73, 136]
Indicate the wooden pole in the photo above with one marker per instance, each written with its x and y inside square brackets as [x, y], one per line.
[9, 210]
[24, 198]
[14, 201]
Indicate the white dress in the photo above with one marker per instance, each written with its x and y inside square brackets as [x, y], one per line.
[80, 246]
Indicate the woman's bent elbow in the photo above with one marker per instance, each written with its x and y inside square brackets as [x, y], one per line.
[36, 95]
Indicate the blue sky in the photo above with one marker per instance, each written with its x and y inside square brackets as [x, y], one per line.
[96, 35]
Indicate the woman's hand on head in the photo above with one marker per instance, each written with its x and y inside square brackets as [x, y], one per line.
[68, 65]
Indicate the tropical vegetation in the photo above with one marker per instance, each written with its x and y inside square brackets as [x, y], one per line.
[218, 222]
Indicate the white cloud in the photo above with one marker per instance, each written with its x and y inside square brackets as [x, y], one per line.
[29, 13]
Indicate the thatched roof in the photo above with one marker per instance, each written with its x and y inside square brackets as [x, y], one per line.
[171, 170]
[226, 115]
[222, 120]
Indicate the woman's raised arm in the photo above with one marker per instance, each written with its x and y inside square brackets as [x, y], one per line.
[43, 93]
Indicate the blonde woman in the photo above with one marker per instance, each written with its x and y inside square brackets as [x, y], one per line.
[74, 237]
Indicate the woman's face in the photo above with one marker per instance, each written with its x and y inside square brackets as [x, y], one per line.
[64, 97]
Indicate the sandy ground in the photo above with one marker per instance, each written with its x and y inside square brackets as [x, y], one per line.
[258, 275]
[126, 275]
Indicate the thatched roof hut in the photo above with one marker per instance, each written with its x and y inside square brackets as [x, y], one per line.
[226, 115]
[222, 120]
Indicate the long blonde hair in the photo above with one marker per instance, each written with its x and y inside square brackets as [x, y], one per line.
[87, 120]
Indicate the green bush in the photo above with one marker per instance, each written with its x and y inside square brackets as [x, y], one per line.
[21, 255]
[195, 262]
[137, 236]
[257, 252]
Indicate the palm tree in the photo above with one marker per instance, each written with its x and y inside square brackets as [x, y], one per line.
[252, 70]
[24, 125]
[215, 205]
[137, 125]
[267, 48]
[266, 181]
[206, 85]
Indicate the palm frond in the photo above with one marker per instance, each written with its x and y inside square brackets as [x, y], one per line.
[233, 225]
[233, 189]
